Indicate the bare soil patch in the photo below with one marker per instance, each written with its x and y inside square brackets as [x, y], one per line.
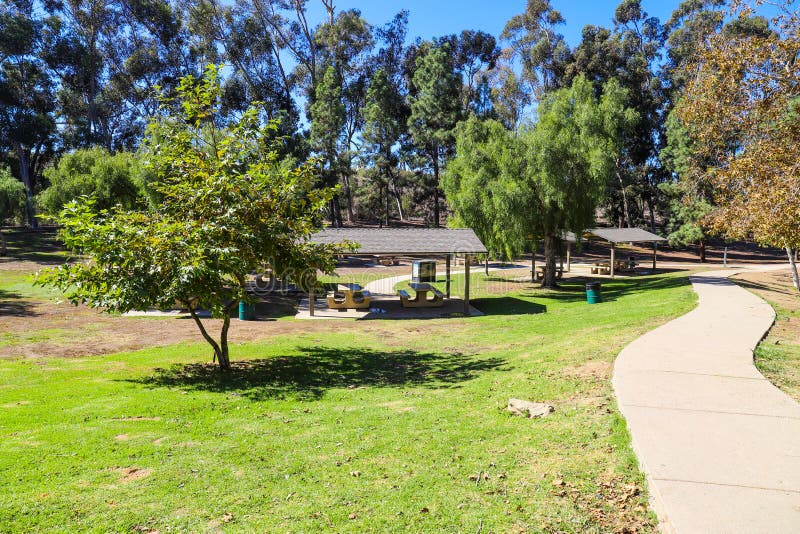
[81, 331]
[591, 370]
[778, 356]
[774, 286]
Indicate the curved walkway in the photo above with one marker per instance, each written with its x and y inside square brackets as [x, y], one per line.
[719, 443]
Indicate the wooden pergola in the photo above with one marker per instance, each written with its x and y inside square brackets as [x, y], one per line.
[625, 235]
[413, 242]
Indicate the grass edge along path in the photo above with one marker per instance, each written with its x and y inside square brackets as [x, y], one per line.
[399, 427]
[777, 356]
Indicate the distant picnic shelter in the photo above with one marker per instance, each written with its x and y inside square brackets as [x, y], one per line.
[625, 235]
[413, 242]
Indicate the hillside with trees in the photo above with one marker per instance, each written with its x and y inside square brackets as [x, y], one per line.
[384, 117]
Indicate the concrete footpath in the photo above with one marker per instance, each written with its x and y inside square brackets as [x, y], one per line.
[719, 443]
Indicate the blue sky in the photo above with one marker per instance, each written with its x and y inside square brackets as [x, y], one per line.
[432, 18]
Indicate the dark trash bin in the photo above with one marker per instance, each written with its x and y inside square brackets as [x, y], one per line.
[593, 294]
[423, 271]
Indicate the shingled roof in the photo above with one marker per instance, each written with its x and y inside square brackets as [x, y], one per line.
[405, 241]
[625, 235]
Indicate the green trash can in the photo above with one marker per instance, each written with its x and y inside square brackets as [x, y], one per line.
[593, 294]
[247, 311]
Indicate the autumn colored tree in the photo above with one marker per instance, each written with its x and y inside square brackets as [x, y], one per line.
[742, 108]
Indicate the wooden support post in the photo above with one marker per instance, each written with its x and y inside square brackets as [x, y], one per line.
[486, 266]
[447, 276]
[613, 250]
[655, 251]
[569, 259]
[311, 301]
[533, 261]
[466, 284]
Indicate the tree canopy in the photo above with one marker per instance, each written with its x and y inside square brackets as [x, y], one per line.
[548, 177]
[741, 110]
[229, 206]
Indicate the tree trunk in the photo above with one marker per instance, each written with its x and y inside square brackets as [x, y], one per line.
[793, 265]
[224, 358]
[210, 340]
[25, 174]
[348, 194]
[387, 200]
[652, 210]
[626, 209]
[436, 191]
[336, 214]
[399, 202]
[3, 246]
[702, 251]
[550, 252]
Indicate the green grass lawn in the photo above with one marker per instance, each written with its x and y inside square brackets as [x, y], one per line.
[379, 426]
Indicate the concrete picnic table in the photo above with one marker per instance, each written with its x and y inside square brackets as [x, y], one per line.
[349, 296]
[421, 299]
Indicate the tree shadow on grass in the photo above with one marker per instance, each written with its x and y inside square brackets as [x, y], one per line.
[13, 305]
[40, 246]
[508, 306]
[574, 289]
[759, 286]
[314, 370]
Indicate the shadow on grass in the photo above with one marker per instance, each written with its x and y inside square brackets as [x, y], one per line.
[574, 289]
[40, 246]
[309, 374]
[773, 288]
[507, 306]
[13, 304]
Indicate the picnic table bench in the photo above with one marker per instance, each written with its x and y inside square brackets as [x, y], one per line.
[601, 267]
[541, 269]
[349, 296]
[421, 299]
[604, 267]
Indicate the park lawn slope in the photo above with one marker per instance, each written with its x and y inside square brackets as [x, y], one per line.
[777, 357]
[401, 427]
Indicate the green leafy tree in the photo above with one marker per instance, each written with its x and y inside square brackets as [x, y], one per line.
[12, 203]
[571, 156]
[543, 52]
[27, 124]
[548, 178]
[345, 43]
[105, 178]
[382, 131]
[689, 194]
[482, 185]
[631, 53]
[327, 123]
[435, 105]
[229, 206]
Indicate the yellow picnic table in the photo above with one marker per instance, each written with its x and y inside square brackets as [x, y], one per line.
[349, 296]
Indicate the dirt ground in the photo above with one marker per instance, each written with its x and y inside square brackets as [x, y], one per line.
[775, 287]
[40, 327]
[778, 355]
